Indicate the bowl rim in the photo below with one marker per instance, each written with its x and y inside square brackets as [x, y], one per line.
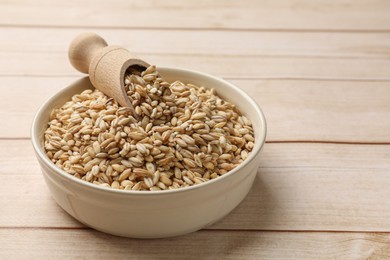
[258, 144]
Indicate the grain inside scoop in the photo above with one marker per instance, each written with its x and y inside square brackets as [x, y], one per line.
[106, 65]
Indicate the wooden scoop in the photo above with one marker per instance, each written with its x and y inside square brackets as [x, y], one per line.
[106, 65]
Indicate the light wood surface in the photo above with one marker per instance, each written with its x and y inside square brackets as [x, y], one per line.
[200, 245]
[320, 70]
[203, 14]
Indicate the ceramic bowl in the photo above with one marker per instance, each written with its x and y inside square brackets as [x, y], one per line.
[152, 214]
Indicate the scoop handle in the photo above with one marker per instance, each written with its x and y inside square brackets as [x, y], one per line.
[83, 49]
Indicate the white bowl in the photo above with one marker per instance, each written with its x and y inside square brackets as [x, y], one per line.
[152, 214]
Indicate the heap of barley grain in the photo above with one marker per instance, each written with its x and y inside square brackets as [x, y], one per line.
[181, 135]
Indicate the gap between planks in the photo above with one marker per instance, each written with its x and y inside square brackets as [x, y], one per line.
[268, 142]
[276, 30]
[212, 230]
[244, 78]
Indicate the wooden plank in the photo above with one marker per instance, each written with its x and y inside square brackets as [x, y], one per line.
[247, 14]
[260, 55]
[16, 121]
[72, 244]
[323, 110]
[209, 42]
[255, 67]
[25, 199]
[299, 186]
[296, 110]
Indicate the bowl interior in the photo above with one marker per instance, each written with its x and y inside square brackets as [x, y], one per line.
[224, 89]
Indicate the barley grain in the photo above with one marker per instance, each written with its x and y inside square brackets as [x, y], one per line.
[186, 136]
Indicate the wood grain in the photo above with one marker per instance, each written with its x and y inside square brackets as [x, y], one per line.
[209, 42]
[27, 243]
[247, 14]
[299, 187]
[56, 64]
[296, 110]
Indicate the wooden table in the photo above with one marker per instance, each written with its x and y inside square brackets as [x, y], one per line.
[319, 69]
